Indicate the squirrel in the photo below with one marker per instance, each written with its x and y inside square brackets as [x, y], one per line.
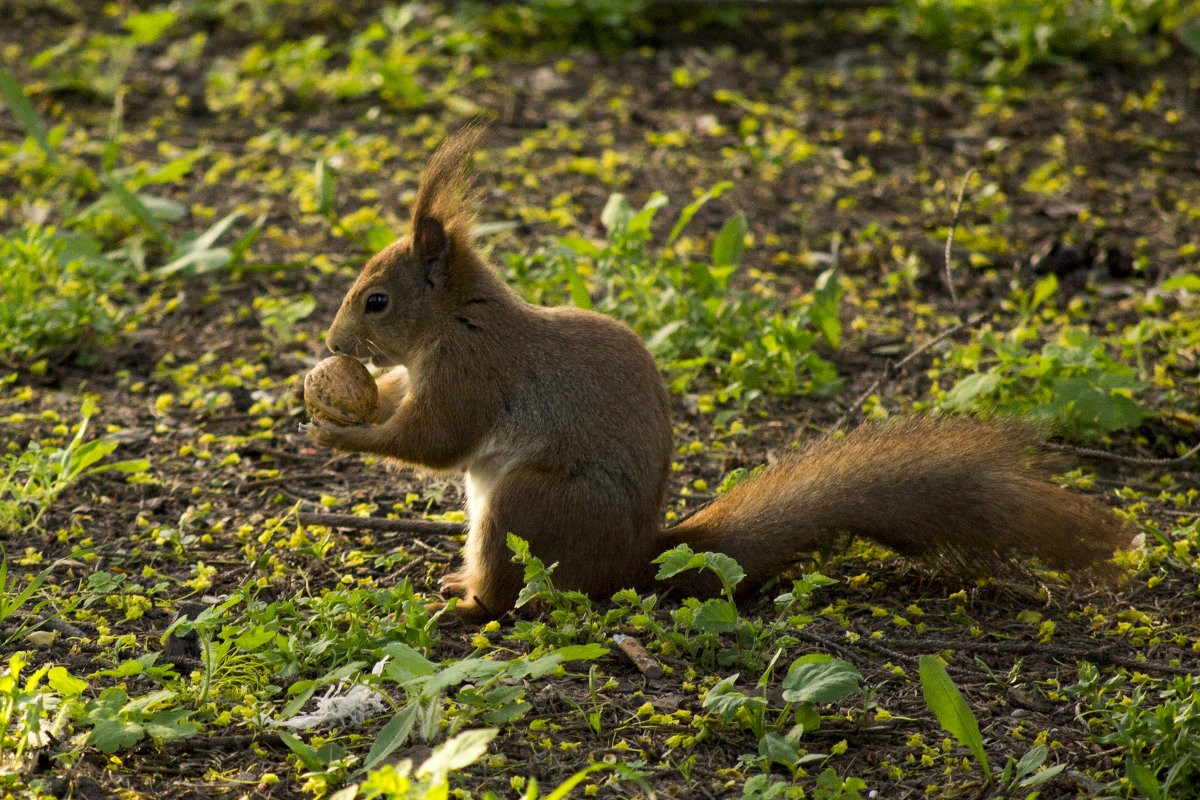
[560, 422]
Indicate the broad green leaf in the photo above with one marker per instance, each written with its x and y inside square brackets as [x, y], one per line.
[676, 560]
[580, 295]
[952, 711]
[64, 682]
[1190, 36]
[406, 663]
[965, 391]
[111, 735]
[820, 680]
[730, 571]
[461, 751]
[147, 27]
[717, 616]
[579, 245]
[303, 691]
[1190, 283]
[326, 190]
[507, 713]
[777, 750]
[170, 724]
[827, 294]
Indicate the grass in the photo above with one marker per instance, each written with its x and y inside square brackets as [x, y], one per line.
[188, 191]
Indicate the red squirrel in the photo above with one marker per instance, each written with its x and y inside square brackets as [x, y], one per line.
[559, 420]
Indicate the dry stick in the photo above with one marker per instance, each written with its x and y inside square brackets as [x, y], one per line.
[1100, 655]
[1092, 452]
[962, 191]
[890, 368]
[641, 659]
[413, 526]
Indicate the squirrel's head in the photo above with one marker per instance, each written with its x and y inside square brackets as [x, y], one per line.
[395, 298]
[404, 291]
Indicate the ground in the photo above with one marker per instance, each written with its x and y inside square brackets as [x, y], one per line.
[846, 146]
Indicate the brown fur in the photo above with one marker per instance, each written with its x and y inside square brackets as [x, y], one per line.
[559, 420]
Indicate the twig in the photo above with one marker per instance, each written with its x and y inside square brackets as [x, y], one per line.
[890, 369]
[414, 526]
[962, 191]
[641, 659]
[1102, 655]
[1092, 452]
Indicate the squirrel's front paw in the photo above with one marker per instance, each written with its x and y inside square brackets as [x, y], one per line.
[327, 434]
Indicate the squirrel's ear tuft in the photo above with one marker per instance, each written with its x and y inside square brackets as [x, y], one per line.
[432, 246]
[446, 194]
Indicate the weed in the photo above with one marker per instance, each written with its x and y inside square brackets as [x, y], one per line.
[1157, 727]
[61, 296]
[956, 717]
[1071, 383]
[26, 709]
[810, 681]
[33, 480]
[1006, 39]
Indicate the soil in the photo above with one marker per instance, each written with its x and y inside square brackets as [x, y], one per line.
[894, 136]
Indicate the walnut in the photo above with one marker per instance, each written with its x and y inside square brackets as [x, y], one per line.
[340, 390]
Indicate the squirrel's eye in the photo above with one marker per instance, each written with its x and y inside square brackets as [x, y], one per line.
[376, 303]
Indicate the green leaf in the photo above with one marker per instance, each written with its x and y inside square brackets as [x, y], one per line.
[406, 663]
[777, 750]
[134, 205]
[1190, 283]
[1045, 288]
[725, 566]
[308, 756]
[170, 724]
[676, 560]
[64, 682]
[952, 711]
[965, 391]
[827, 294]
[147, 27]
[580, 296]
[690, 209]
[323, 175]
[111, 735]
[820, 680]
[507, 713]
[579, 246]
[639, 223]
[730, 243]
[717, 616]
[393, 735]
[1190, 36]
[22, 109]
[616, 214]
[461, 751]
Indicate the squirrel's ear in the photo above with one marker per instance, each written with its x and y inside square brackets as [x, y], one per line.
[432, 246]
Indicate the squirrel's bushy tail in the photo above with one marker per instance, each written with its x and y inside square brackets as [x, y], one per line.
[959, 492]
